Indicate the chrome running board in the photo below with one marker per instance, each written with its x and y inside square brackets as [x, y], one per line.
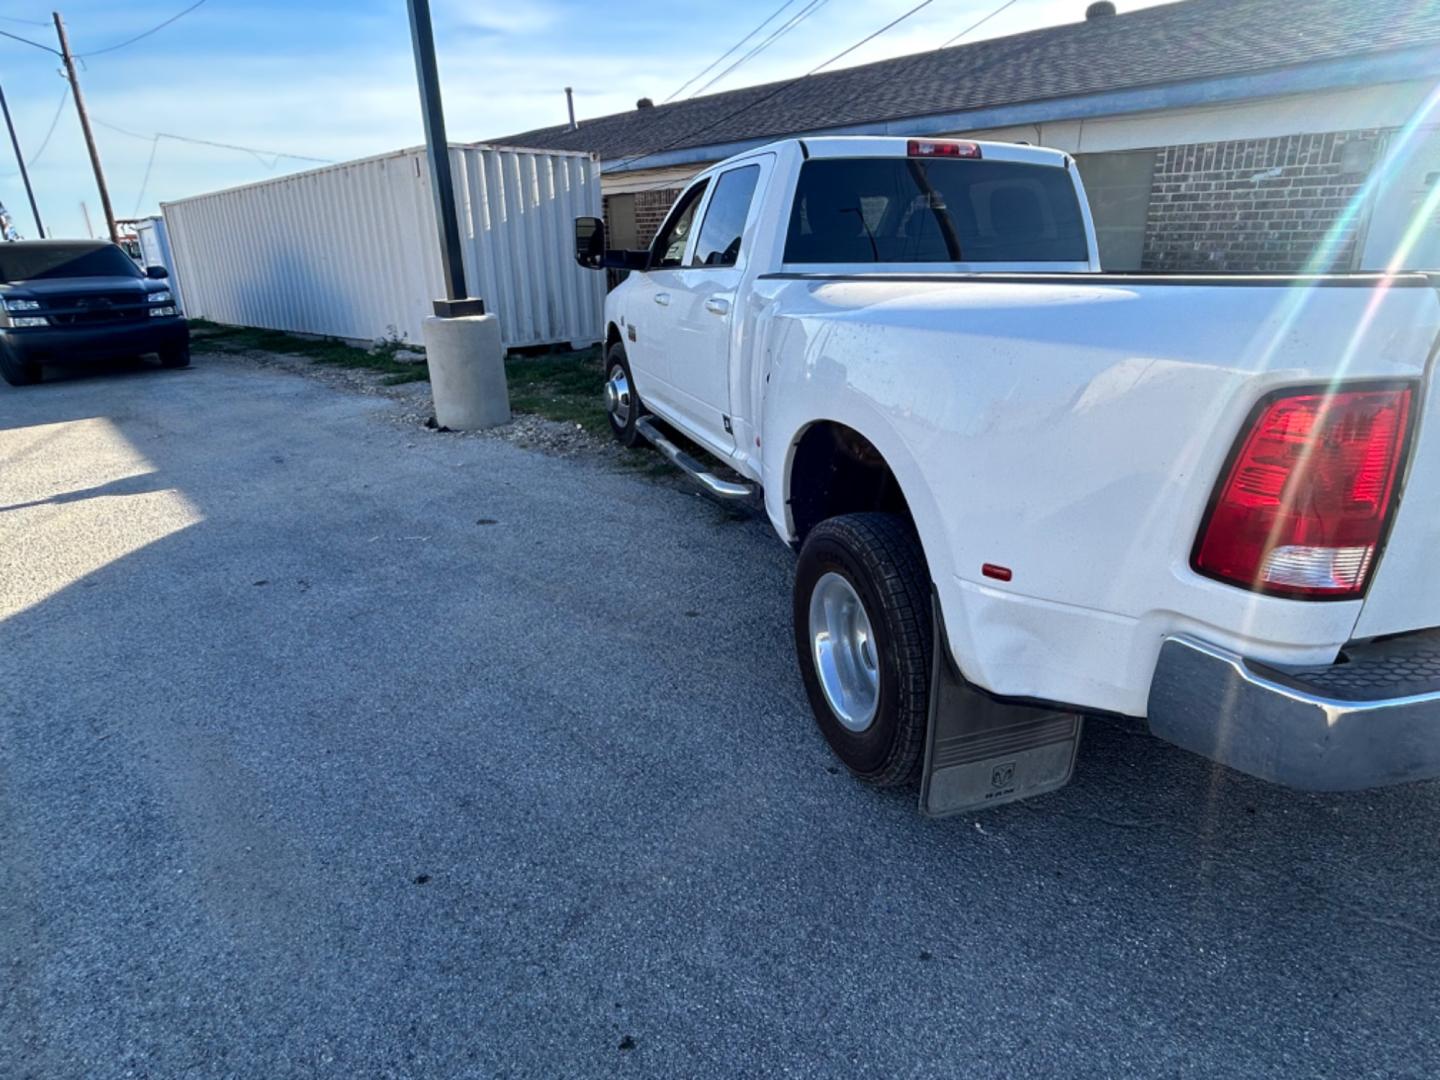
[721, 489]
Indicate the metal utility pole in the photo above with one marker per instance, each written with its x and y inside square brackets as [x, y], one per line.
[85, 127]
[457, 302]
[570, 104]
[20, 160]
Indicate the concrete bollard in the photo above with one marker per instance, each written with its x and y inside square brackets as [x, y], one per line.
[467, 372]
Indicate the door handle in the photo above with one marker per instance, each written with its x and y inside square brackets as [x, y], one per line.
[716, 306]
[662, 298]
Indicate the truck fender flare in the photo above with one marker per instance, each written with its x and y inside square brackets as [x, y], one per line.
[903, 467]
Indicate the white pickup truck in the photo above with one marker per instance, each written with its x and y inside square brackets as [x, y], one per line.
[1023, 489]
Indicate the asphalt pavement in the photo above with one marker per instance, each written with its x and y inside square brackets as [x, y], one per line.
[331, 747]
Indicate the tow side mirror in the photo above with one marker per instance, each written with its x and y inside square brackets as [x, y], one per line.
[590, 242]
[156, 273]
[591, 253]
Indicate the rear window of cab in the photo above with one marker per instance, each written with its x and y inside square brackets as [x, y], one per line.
[912, 210]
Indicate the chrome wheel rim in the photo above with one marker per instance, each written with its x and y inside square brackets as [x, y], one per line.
[617, 396]
[844, 649]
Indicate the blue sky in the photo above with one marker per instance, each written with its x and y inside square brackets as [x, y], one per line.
[335, 80]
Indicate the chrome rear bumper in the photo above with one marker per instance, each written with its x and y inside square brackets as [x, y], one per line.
[1367, 722]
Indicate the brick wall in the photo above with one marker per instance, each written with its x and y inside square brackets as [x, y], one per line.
[647, 210]
[632, 220]
[650, 210]
[1258, 204]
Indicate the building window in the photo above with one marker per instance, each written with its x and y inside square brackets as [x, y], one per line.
[1118, 187]
[620, 219]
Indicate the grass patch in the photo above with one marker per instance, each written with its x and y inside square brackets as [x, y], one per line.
[329, 351]
[568, 387]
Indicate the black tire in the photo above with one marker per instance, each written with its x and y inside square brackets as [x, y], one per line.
[17, 372]
[177, 356]
[880, 557]
[624, 432]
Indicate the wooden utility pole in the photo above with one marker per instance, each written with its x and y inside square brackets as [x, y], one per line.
[24, 172]
[85, 127]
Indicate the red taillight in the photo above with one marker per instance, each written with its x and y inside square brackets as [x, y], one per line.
[929, 148]
[1304, 507]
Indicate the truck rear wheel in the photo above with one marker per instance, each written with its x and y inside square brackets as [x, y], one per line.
[622, 402]
[863, 636]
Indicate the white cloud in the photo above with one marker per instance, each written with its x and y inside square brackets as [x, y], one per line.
[529, 18]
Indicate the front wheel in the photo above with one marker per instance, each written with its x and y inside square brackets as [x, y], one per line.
[622, 402]
[177, 356]
[17, 372]
[863, 636]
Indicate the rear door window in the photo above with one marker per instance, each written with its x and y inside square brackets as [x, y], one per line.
[719, 242]
[909, 210]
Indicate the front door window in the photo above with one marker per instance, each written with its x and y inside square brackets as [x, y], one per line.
[668, 251]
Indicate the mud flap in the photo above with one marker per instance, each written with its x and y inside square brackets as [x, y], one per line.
[981, 752]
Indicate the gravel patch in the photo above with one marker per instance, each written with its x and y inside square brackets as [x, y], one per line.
[415, 408]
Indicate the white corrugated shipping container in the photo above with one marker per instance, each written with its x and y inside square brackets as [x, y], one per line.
[351, 250]
[155, 245]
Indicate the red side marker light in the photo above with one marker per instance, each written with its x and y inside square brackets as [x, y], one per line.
[999, 573]
[930, 148]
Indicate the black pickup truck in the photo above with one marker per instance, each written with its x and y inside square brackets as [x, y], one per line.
[83, 300]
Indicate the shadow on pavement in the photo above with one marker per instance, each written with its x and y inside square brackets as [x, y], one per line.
[335, 778]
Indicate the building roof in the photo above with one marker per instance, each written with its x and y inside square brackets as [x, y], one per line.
[1180, 42]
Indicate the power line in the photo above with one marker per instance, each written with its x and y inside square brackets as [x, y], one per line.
[275, 155]
[153, 30]
[145, 181]
[262, 154]
[54, 121]
[773, 93]
[700, 74]
[800, 16]
[671, 183]
[981, 22]
[27, 41]
[23, 22]
[125, 131]
[866, 40]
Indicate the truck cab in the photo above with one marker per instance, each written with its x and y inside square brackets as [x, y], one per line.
[726, 232]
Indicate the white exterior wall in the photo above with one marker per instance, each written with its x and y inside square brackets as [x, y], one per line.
[351, 250]
[1297, 114]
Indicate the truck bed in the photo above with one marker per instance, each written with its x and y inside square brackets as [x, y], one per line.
[1072, 427]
